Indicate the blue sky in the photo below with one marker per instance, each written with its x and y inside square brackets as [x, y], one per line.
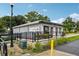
[55, 11]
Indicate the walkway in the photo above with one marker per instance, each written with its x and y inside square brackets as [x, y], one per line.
[48, 53]
[70, 35]
[56, 53]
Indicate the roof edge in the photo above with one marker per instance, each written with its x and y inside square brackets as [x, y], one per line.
[35, 22]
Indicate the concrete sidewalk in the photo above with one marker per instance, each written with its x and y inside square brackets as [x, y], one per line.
[70, 35]
[56, 53]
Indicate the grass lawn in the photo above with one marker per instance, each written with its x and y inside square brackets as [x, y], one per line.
[70, 39]
[63, 40]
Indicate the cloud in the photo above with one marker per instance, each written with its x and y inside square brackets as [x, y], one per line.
[58, 20]
[74, 15]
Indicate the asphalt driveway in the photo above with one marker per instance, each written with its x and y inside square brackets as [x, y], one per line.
[72, 47]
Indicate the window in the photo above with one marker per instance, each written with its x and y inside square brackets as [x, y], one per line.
[51, 31]
[46, 30]
[29, 35]
[19, 35]
[59, 30]
[56, 31]
[24, 35]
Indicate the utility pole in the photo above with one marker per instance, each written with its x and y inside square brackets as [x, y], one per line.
[11, 30]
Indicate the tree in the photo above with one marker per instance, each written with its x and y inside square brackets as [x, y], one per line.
[2, 27]
[16, 20]
[77, 26]
[5, 22]
[19, 19]
[34, 16]
[69, 25]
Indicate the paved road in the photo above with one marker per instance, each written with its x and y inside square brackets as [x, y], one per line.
[72, 47]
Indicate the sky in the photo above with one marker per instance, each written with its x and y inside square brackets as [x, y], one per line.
[57, 12]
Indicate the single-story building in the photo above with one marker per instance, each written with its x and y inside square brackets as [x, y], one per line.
[31, 29]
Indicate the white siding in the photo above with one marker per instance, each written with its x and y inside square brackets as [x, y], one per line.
[34, 28]
[30, 28]
[23, 29]
[16, 30]
[38, 27]
[54, 30]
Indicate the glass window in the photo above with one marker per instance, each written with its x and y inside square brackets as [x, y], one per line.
[46, 30]
[60, 30]
[24, 35]
[56, 31]
[51, 30]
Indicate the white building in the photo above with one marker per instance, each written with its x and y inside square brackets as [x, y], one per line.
[28, 30]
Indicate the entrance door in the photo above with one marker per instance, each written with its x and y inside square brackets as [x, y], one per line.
[56, 31]
[52, 31]
[46, 30]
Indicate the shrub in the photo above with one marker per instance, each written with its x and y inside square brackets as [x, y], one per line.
[11, 51]
[61, 41]
[43, 36]
[54, 43]
[38, 44]
[38, 47]
[29, 47]
[45, 47]
[34, 50]
[49, 44]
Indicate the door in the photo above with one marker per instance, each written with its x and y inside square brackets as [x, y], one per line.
[46, 30]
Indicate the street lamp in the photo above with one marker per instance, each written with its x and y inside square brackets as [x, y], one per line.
[11, 30]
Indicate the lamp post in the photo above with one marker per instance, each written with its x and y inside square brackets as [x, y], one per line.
[11, 30]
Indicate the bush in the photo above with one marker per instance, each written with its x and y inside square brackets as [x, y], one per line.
[44, 36]
[45, 47]
[38, 47]
[54, 43]
[38, 44]
[61, 41]
[11, 51]
[34, 50]
[48, 45]
[29, 47]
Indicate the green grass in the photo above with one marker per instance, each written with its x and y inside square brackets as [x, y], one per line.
[70, 39]
[63, 40]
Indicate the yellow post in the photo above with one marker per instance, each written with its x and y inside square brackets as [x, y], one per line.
[52, 47]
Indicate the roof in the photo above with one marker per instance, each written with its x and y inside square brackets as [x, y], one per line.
[36, 22]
